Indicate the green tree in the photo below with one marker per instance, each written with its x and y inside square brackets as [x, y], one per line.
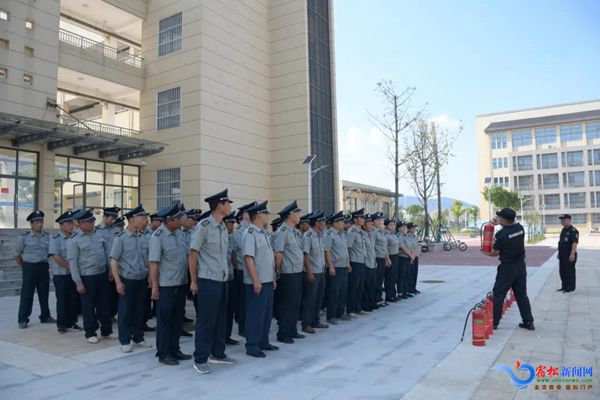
[502, 198]
[474, 211]
[533, 220]
[457, 210]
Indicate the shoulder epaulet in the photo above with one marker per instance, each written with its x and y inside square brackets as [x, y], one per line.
[329, 232]
[205, 222]
[119, 233]
[308, 234]
[283, 228]
[250, 230]
[55, 235]
[157, 232]
[74, 234]
[25, 233]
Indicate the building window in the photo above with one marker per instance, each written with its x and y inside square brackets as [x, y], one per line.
[594, 178]
[28, 51]
[569, 133]
[499, 140]
[524, 182]
[168, 187]
[596, 218]
[29, 24]
[4, 43]
[18, 187]
[594, 157]
[595, 199]
[574, 200]
[551, 201]
[545, 135]
[168, 107]
[501, 162]
[592, 130]
[3, 15]
[572, 158]
[169, 34]
[551, 220]
[28, 79]
[521, 138]
[523, 163]
[547, 161]
[574, 179]
[494, 163]
[579, 219]
[90, 183]
[3, 73]
[550, 181]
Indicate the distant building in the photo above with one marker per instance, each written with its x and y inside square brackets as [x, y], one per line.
[371, 198]
[550, 155]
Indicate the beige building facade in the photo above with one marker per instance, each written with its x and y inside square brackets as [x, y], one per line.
[113, 102]
[550, 155]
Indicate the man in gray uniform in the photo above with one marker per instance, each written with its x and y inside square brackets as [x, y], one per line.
[391, 273]
[406, 258]
[169, 277]
[289, 260]
[86, 252]
[368, 301]
[381, 257]
[416, 248]
[64, 287]
[208, 269]
[338, 266]
[314, 281]
[109, 231]
[259, 280]
[232, 288]
[31, 254]
[357, 248]
[243, 219]
[129, 265]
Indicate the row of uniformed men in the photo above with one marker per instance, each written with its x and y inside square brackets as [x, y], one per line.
[357, 261]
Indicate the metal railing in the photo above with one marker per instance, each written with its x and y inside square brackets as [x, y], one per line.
[107, 51]
[100, 127]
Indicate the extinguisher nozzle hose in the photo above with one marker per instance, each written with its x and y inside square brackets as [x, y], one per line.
[467, 320]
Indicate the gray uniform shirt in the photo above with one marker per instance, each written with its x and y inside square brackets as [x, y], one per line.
[289, 242]
[230, 275]
[33, 248]
[86, 254]
[403, 240]
[381, 248]
[313, 246]
[255, 243]
[58, 247]
[131, 251]
[355, 238]
[109, 234]
[370, 247]
[187, 236]
[237, 244]
[393, 243]
[168, 249]
[335, 243]
[211, 242]
[415, 244]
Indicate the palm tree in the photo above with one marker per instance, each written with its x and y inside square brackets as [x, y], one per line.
[457, 210]
[474, 211]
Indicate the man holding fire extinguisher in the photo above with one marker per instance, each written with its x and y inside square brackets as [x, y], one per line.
[509, 245]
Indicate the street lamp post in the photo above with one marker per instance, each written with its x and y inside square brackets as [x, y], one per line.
[488, 182]
[308, 161]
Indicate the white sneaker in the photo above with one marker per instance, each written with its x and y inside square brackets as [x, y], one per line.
[145, 344]
[126, 348]
[224, 361]
[92, 339]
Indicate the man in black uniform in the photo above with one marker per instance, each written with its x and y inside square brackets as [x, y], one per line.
[509, 244]
[567, 254]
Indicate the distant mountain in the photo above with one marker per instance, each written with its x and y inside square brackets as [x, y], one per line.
[432, 203]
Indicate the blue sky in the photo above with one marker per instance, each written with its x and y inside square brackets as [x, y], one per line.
[465, 58]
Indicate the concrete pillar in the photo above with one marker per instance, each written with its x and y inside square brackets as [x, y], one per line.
[108, 113]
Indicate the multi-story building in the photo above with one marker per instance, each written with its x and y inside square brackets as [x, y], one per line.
[550, 155]
[371, 198]
[115, 102]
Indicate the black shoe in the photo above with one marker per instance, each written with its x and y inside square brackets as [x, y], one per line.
[403, 296]
[560, 290]
[257, 354]
[408, 294]
[495, 326]
[417, 291]
[49, 320]
[392, 300]
[527, 325]
[308, 329]
[186, 319]
[148, 328]
[285, 340]
[297, 336]
[182, 356]
[62, 330]
[168, 360]
[186, 333]
[76, 327]
[270, 347]
[231, 341]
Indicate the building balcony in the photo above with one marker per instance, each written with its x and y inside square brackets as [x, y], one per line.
[84, 43]
[100, 127]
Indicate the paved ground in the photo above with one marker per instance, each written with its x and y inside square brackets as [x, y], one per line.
[409, 350]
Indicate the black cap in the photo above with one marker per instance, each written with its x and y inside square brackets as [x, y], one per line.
[338, 216]
[507, 213]
[411, 225]
[377, 215]
[400, 223]
[368, 218]
[120, 222]
[193, 213]
[245, 207]
[306, 217]
[564, 216]
[276, 222]
[387, 221]
[348, 218]
[139, 210]
[260, 208]
[37, 214]
[358, 213]
[204, 215]
[171, 211]
[155, 217]
[289, 209]
[218, 198]
[64, 217]
[84, 215]
[112, 211]
[318, 216]
[228, 218]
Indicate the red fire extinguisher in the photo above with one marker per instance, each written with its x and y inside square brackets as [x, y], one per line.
[479, 325]
[487, 237]
[512, 296]
[489, 306]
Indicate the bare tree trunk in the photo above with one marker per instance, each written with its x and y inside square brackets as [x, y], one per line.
[396, 157]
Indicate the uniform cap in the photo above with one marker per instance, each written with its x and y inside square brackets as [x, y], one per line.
[64, 217]
[139, 210]
[507, 213]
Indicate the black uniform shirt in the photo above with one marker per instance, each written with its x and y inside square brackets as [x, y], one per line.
[568, 236]
[510, 241]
